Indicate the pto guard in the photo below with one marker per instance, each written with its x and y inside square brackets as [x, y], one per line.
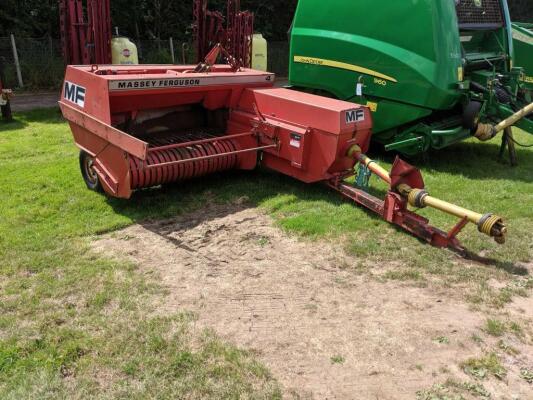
[403, 173]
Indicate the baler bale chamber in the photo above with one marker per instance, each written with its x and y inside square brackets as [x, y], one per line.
[134, 124]
[144, 126]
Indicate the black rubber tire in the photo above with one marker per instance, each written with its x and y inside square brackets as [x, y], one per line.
[89, 175]
[471, 115]
[6, 112]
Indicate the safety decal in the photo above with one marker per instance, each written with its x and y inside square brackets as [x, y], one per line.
[296, 140]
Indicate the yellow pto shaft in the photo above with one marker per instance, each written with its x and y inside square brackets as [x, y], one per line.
[487, 132]
[375, 168]
[489, 224]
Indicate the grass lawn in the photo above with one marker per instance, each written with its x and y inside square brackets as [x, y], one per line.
[76, 325]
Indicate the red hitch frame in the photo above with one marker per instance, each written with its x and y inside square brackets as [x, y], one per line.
[394, 208]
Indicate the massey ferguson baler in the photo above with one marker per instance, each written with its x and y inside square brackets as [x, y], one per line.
[144, 126]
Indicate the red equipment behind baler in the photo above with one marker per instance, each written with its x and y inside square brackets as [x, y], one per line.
[5, 102]
[233, 31]
[143, 126]
[85, 28]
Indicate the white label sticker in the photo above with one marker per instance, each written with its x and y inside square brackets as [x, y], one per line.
[353, 116]
[359, 89]
[296, 140]
[295, 143]
[75, 93]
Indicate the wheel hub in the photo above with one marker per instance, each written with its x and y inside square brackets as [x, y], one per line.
[90, 172]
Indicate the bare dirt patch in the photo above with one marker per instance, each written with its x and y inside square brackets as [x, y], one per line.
[325, 331]
[30, 101]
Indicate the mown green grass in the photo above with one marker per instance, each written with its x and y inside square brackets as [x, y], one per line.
[75, 325]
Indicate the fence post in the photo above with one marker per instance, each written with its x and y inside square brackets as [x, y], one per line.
[172, 51]
[16, 58]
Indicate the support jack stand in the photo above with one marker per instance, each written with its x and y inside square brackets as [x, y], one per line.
[508, 142]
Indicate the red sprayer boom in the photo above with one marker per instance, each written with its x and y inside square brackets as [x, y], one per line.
[233, 31]
[85, 31]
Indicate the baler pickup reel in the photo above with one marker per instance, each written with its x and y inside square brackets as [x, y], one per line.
[406, 188]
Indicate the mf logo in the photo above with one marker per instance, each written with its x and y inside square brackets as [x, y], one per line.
[75, 94]
[353, 116]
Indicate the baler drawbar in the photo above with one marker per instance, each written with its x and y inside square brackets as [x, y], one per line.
[144, 126]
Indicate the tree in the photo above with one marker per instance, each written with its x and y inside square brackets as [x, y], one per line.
[142, 19]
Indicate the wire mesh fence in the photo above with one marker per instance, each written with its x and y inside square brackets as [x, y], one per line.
[160, 51]
[42, 66]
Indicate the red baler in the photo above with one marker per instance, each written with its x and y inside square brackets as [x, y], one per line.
[143, 126]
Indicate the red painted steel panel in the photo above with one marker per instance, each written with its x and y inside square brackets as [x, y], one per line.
[96, 127]
[329, 115]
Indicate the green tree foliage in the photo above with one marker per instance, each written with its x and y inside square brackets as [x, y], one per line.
[146, 19]
[149, 19]
[30, 18]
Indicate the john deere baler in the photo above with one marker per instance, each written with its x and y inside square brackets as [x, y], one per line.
[433, 72]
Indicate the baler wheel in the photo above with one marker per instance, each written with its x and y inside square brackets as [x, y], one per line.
[471, 115]
[89, 174]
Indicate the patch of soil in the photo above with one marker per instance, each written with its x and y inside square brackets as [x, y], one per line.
[323, 330]
[31, 101]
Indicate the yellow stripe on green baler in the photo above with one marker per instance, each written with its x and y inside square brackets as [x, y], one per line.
[341, 65]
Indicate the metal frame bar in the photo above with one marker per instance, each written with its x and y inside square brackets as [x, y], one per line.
[229, 153]
[233, 30]
[394, 211]
[197, 142]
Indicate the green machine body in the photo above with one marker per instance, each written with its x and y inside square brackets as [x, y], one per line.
[429, 70]
[523, 51]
